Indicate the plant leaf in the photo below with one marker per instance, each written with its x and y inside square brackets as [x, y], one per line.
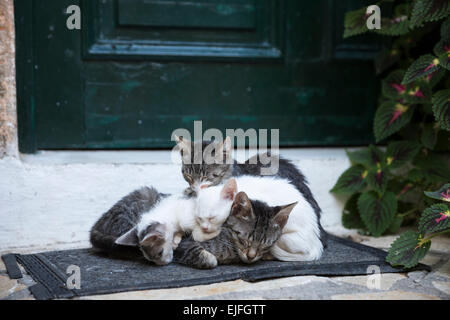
[428, 10]
[443, 141]
[350, 214]
[433, 78]
[359, 156]
[377, 213]
[396, 26]
[434, 167]
[399, 23]
[376, 157]
[355, 22]
[441, 108]
[385, 59]
[429, 136]
[445, 29]
[396, 224]
[369, 157]
[423, 66]
[407, 250]
[351, 181]
[391, 117]
[415, 175]
[392, 85]
[435, 218]
[442, 50]
[442, 194]
[377, 180]
[400, 152]
[417, 92]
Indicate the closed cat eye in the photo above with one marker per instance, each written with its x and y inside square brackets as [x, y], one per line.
[245, 243]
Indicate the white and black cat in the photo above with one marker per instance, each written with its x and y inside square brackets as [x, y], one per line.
[216, 173]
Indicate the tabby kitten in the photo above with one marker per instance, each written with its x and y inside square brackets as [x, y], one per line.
[123, 216]
[246, 236]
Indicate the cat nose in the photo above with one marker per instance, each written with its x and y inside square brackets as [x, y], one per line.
[251, 253]
[205, 229]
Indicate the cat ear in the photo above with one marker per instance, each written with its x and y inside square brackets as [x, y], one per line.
[282, 216]
[129, 238]
[242, 207]
[183, 145]
[225, 146]
[154, 233]
[229, 190]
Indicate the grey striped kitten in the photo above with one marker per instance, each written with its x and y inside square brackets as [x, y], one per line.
[246, 236]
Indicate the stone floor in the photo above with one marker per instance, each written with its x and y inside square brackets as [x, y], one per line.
[434, 285]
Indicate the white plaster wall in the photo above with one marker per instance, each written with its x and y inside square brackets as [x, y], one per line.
[54, 198]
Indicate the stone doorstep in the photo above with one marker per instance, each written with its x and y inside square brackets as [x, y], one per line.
[243, 290]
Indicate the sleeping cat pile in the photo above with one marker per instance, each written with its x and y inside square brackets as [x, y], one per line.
[228, 214]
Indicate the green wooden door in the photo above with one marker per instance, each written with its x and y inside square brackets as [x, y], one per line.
[138, 69]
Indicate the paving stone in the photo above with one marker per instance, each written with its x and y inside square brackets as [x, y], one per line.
[440, 244]
[443, 286]
[202, 291]
[417, 276]
[432, 259]
[387, 295]
[383, 242]
[315, 290]
[2, 265]
[444, 270]
[8, 286]
[23, 294]
[387, 280]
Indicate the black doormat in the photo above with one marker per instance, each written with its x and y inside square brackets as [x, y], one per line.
[100, 274]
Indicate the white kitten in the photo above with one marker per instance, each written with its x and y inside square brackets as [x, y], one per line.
[213, 205]
[160, 230]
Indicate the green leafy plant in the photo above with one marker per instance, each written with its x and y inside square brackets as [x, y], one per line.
[386, 184]
[408, 249]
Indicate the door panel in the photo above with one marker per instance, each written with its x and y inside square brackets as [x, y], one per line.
[138, 69]
[211, 14]
[179, 30]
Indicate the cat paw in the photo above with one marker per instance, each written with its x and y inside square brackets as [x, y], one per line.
[176, 240]
[207, 260]
[190, 192]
